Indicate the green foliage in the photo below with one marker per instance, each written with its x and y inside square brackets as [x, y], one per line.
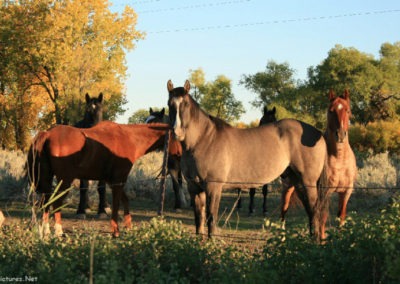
[364, 251]
[216, 97]
[138, 116]
[378, 137]
[373, 84]
[276, 80]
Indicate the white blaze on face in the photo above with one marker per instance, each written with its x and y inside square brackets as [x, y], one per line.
[178, 124]
[339, 107]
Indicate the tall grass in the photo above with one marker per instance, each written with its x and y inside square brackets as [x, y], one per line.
[12, 175]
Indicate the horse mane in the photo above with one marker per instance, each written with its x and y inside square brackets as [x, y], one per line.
[218, 122]
[39, 141]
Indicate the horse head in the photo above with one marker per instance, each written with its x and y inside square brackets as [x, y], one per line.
[94, 108]
[339, 114]
[157, 116]
[268, 116]
[179, 108]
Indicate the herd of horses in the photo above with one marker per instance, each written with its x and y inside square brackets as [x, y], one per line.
[209, 153]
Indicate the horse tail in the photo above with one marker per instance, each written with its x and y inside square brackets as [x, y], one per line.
[36, 155]
[323, 201]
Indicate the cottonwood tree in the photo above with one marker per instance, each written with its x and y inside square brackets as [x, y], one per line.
[216, 97]
[59, 50]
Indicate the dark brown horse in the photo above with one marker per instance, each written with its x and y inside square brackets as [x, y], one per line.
[106, 152]
[217, 156]
[268, 117]
[93, 115]
[174, 158]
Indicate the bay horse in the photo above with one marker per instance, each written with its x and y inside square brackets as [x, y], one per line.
[217, 156]
[93, 115]
[106, 152]
[268, 116]
[341, 168]
[174, 158]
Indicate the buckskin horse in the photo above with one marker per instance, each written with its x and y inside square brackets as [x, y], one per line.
[106, 152]
[217, 156]
[93, 115]
[174, 158]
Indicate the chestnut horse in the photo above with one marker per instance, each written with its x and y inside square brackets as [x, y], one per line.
[174, 158]
[268, 116]
[341, 168]
[217, 156]
[106, 152]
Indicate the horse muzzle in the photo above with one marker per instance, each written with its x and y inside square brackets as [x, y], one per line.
[179, 134]
[341, 135]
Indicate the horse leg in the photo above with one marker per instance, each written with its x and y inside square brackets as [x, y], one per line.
[343, 200]
[308, 196]
[265, 193]
[101, 189]
[213, 199]
[45, 228]
[200, 212]
[239, 199]
[176, 187]
[252, 193]
[57, 205]
[116, 197]
[83, 198]
[287, 193]
[127, 215]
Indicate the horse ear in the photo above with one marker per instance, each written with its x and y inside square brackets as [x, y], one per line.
[163, 111]
[87, 97]
[265, 109]
[150, 110]
[187, 86]
[331, 94]
[274, 110]
[170, 86]
[100, 97]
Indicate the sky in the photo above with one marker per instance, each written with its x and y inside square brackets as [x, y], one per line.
[238, 37]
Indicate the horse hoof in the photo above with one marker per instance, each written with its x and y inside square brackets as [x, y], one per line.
[107, 210]
[102, 216]
[115, 235]
[81, 216]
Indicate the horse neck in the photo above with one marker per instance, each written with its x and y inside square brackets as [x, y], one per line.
[91, 120]
[336, 149]
[154, 140]
[200, 126]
